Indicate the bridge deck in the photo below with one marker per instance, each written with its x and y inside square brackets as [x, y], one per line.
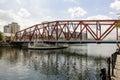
[72, 42]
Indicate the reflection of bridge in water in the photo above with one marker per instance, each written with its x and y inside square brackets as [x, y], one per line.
[55, 64]
[71, 31]
[66, 65]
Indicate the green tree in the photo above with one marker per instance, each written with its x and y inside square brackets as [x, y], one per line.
[117, 25]
[1, 36]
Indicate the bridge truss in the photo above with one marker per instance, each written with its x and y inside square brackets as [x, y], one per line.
[70, 30]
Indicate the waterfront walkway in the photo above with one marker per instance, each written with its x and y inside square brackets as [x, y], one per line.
[116, 66]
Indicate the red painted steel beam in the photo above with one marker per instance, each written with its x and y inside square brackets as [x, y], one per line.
[31, 36]
[107, 32]
[65, 25]
[75, 30]
[91, 31]
[24, 34]
[56, 29]
[116, 33]
[80, 34]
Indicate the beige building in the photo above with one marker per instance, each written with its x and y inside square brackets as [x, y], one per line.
[10, 30]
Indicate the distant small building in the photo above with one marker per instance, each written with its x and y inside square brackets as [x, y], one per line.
[118, 15]
[10, 30]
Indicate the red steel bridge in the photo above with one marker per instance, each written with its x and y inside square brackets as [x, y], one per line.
[84, 31]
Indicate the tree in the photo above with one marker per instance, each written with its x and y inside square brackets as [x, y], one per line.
[1, 36]
[117, 25]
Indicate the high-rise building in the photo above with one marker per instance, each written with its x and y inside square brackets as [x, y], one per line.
[7, 29]
[11, 28]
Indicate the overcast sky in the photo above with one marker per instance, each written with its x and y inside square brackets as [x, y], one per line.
[29, 12]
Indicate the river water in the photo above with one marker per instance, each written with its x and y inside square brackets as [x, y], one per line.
[78, 62]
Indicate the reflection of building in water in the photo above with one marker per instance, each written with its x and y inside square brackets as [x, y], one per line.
[10, 54]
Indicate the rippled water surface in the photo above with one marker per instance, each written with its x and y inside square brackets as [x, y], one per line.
[78, 62]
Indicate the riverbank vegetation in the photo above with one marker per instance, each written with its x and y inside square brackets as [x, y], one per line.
[2, 38]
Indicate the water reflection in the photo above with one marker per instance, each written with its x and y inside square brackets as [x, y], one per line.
[20, 64]
[104, 50]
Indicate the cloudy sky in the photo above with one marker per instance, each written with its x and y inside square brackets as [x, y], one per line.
[29, 12]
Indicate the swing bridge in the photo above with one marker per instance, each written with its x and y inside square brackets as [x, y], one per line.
[71, 31]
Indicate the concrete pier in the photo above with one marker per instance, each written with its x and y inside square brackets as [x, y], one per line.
[115, 66]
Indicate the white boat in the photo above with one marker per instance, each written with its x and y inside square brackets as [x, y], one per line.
[43, 46]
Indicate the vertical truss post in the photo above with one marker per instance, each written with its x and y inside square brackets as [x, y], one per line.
[86, 34]
[116, 33]
[97, 30]
[56, 29]
[81, 31]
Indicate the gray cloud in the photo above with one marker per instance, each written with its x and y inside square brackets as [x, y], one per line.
[6, 16]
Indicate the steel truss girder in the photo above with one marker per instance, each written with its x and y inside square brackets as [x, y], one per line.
[62, 29]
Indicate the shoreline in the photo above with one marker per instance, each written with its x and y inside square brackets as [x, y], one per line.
[4, 44]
